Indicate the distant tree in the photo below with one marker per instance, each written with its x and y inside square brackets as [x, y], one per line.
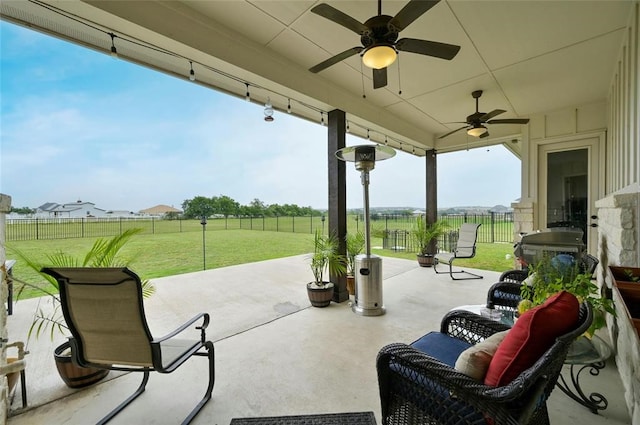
[256, 208]
[171, 215]
[23, 210]
[198, 207]
[226, 206]
[275, 210]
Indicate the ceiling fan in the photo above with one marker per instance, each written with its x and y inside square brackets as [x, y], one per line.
[379, 38]
[476, 121]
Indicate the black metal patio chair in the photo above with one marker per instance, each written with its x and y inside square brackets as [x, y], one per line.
[465, 248]
[104, 311]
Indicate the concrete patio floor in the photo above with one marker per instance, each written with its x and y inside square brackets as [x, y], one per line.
[275, 354]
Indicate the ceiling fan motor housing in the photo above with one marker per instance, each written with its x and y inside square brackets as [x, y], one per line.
[380, 32]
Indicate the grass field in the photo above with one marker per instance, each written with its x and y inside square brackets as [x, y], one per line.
[159, 255]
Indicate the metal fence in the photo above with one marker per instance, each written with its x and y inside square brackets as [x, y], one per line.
[393, 229]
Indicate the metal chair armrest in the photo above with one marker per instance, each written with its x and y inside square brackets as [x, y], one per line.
[205, 322]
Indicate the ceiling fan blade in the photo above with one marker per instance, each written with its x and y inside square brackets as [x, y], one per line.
[335, 59]
[510, 121]
[491, 114]
[410, 12]
[451, 132]
[341, 18]
[429, 48]
[379, 78]
[483, 135]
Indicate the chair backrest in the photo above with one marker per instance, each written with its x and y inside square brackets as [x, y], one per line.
[589, 263]
[105, 315]
[514, 276]
[504, 296]
[467, 237]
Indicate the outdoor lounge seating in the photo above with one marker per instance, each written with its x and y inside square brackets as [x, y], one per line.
[419, 384]
[465, 248]
[505, 294]
[104, 311]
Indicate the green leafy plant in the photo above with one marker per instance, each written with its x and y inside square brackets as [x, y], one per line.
[103, 253]
[550, 276]
[630, 276]
[355, 245]
[326, 257]
[424, 233]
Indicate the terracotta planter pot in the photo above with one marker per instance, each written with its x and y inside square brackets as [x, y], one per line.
[320, 297]
[12, 378]
[351, 285]
[425, 260]
[73, 375]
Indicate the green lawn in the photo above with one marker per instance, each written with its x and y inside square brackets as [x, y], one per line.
[175, 253]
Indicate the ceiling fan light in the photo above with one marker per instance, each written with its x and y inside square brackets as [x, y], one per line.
[477, 130]
[380, 56]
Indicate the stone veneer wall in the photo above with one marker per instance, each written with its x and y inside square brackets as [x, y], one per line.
[5, 207]
[618, 223]
[522, 218]
[522, 222]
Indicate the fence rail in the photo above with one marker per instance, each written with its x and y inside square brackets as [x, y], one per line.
[496, 227]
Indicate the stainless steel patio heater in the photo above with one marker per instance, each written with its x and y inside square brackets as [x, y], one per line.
[368, 277]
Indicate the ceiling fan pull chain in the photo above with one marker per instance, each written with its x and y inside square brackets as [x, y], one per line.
[399, 85]
[364, 96]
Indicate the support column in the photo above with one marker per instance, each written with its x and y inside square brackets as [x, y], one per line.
[337, 194]
[5, 208]
[431, 174]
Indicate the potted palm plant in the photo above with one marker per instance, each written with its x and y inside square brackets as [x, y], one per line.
[325, 258]
[424, 236]
[355, 245]
[103, 253]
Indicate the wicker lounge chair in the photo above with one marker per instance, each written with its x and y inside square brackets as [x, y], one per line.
[417, 388]
[465, 248]
[105, 314]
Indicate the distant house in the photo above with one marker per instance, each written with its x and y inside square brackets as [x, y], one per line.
[160, 210]
[500, 209]
[77, 209]
[120, 213]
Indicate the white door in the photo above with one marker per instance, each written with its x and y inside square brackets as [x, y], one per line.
[569, 182]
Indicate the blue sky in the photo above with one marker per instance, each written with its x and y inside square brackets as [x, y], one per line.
[79, 125]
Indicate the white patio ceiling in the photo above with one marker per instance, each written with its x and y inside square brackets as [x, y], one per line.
[528, 57]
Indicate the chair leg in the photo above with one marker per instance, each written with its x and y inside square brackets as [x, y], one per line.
[23, 387]
[451, 272]
[212, 378]
[125, 403]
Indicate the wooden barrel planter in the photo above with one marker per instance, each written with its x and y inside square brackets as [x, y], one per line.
[425, 260]
[320, 297]
[73, 375]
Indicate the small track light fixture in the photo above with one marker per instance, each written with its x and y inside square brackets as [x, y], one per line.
[192, 73]
[114, 51]
[268, 111]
